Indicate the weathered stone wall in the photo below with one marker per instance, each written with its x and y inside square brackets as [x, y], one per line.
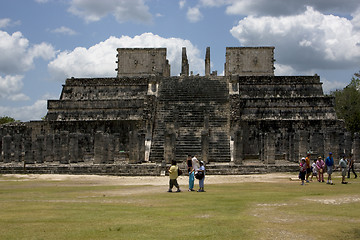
[249, 61]
[144, 61]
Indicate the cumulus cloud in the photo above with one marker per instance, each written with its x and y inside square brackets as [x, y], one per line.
[305, 41]
[64, 30]
[99, 60]
[11, 86]
[194, 14]
[279, 8]
[17, 56]
[25, 113]
[122, 10]
[182, 4]
[4, 22]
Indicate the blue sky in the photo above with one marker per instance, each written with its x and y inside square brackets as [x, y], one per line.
[42, 42]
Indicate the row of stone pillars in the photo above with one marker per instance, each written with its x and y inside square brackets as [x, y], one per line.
[298, 144]
[65, 148]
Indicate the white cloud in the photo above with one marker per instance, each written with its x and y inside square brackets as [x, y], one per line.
[194, 14]
[25, 113]
[122, 10]
[99, 60]
[41, 1]
[10, 87]
[306, 41]
[182, 4]
[279, 8]
[4, 22]
[64, 30]
[17, 56]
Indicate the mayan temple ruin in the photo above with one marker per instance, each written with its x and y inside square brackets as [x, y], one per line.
[246, 121]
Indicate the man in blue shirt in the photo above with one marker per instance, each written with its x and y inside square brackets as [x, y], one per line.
[329, 163]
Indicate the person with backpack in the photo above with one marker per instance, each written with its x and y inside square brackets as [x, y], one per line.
[173, 175]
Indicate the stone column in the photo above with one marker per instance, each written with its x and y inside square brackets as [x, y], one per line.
[269, 147]
[18, 148]
[98, 148]
[57, 148]
[184, 63]
[207, 62]
[49, 148]
[356, 147]
[303, 143]
[29, 154]
[238, 147]
[73, 147]
[141, 139]
[6, 148]
[134, 147]
[64, 149]
[347, 143]
[40, 149]
[110, 149]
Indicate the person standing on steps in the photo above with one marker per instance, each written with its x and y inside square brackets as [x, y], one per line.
[191, 173]
[351, 166]
[173, 175]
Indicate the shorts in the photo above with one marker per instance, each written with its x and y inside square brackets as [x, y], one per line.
[343, 172]
[329, 170]
[308, 171]
[302, 175]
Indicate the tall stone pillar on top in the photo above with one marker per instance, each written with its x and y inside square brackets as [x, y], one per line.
[207, 62]
[184, 63]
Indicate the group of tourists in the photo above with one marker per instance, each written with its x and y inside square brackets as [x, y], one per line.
[195, 169]
[319, 166]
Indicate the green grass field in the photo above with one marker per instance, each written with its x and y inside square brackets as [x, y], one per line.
[48, 209]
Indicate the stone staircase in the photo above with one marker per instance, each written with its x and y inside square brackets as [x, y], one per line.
[192, 106]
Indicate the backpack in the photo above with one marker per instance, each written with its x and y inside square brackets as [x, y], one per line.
[199, 175]
[179, 171]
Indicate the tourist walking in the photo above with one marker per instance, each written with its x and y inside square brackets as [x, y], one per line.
[343, 166]
[320, 165]
[302, 172]
[173, 175]
[351, 166]
[201, 171]
[329, 163]
[191, 173]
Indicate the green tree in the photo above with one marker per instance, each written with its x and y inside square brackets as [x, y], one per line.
[6, 119]
[347, 104]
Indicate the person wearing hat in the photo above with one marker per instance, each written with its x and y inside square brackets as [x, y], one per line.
[302, 170]
[320, 165]
[329, 163]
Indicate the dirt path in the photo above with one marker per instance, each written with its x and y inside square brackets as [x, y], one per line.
[148, 180]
